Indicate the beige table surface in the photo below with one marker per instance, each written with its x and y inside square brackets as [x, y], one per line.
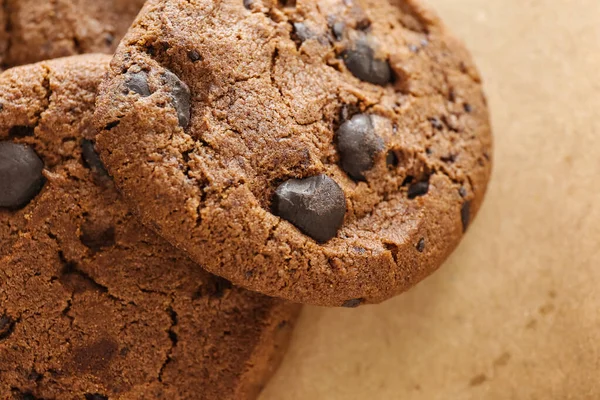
[515, 313]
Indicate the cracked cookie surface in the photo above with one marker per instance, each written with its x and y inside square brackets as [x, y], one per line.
[36, 30]
[328, 152]
[93, 305]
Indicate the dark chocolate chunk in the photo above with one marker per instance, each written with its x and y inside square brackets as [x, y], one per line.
[182, 97]
[338, 30]
[353, 303]
[421, 245]
[358, 145]
[91, 159]
[287, 3]
[248, 4]
[95, 396]
[462, 191]
[391, 159]
[465, 215]
[19, 131]
[7, 325]
[21, 177]
[112, 125]
[315, 205]
[436, 123]
[194, 56]
[361, 61]
[418, 189]
[467, 107]
[302, 31]
[449, 159]
[363, 25]
[408, 180]
[138, 83]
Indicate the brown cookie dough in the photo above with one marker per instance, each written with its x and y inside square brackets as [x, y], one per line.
[93, 305]
[328, 152]
[36, 30]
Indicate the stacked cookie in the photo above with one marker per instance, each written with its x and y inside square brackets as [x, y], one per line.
[329, 153]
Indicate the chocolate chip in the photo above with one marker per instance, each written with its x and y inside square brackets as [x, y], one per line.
[138, 83]
[287, 3]
[408, 180]
[353, 303]
[467, 107]
[95, 396]
[391, 159]
[436, 123]
[91, 159]
[462, 191]
[338, 30]
[21, 177]
[449, 159]
[452, 95]
[363, 25]
[315, 205]
[465, 215]
[418, 189]
[361, 61]
[194, 56]
[182, 97]
[358, 145]
[302, 32]
[248, 4]
[7, 325]
[421, 245]
[20, 131]
[112, 125]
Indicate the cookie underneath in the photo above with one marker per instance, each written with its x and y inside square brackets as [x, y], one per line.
[93, 305]
[37, 30]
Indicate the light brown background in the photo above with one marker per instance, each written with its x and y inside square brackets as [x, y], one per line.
[515, 313]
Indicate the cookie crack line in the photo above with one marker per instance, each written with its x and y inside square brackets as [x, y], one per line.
[172, 314]
[70, 267]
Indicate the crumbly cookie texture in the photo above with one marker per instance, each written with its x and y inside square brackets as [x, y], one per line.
[36, 30]
[327, 152]
[93, 305]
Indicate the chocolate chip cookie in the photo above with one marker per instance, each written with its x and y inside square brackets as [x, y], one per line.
[328, 152]
[93, 305]
[36, 30]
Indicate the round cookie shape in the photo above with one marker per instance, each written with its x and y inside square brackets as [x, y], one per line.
[376, 96]
[36, 30]
[93, 305]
